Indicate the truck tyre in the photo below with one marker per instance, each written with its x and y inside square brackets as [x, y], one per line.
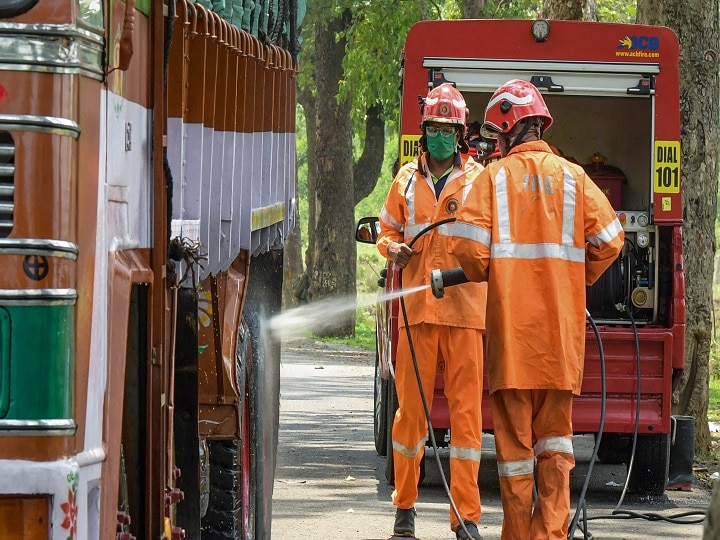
[223, 520]
[650, 467]
[614, 449]
[231, 498]
[380, 419]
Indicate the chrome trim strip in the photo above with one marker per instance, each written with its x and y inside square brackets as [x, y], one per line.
[47, 248]
[49, 124]
[37, 427]
[52, 48]
[57, 30]
[542, 66]
[38, 297]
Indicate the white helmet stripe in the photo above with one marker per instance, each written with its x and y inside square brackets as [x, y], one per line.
[457, 102]
[515, 100]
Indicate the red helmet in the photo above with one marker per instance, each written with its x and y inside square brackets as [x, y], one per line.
[444, 104]
[513, 101]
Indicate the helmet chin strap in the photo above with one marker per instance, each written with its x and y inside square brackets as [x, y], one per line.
[526, 127]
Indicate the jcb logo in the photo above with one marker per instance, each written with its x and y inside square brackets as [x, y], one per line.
[640, 43]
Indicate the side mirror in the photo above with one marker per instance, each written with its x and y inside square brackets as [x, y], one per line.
[367, 230]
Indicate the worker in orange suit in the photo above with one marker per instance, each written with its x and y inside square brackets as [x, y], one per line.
[446, 335]
[539, 230]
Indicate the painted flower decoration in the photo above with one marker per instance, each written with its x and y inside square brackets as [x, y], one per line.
[71, 512]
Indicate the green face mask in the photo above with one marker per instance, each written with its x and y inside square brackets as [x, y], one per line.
[441, 146]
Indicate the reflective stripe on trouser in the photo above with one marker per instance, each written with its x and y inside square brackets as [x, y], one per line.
[533, 428]
[457, 352]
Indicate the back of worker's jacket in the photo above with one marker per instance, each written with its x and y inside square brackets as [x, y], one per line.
[410, 207]
[539, 230]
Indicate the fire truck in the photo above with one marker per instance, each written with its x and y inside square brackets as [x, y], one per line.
[613, 91]
[147, 185]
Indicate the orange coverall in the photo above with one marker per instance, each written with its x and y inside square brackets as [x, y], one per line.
[539, 230]
[446, 334]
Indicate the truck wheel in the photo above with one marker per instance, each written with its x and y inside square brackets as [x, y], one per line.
[614, 449]
[226, 509]
[380, 421]
[650, 467]
[231, 498]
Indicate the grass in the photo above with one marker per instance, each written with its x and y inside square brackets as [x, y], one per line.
[714, 402]
[364, 331]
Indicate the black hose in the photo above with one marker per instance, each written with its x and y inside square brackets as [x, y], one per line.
[603, 392]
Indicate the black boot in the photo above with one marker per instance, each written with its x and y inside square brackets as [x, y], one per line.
[471, 528]
[405, 523]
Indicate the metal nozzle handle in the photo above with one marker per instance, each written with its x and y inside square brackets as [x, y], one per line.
[439, 280]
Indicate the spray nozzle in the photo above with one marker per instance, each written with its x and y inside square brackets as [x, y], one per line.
[446, 278]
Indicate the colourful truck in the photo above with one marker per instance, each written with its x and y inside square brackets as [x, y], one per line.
[147, 186]
[613, 90]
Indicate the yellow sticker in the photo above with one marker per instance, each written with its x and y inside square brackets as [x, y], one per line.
[666, 204]
[409, 148]
[666, 171]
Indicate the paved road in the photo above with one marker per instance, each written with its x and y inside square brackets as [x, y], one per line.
[330, 481]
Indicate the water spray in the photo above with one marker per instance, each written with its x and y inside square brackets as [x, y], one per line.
[317, 316]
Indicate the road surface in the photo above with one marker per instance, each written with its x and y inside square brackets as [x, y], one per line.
[330, 482]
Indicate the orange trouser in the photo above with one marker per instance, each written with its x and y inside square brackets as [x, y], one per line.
[458, 353]
[534, 425]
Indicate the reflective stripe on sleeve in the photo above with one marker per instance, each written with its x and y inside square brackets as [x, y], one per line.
[516, 468]
[410, 201]
[410, 453]
[554, 444]
[460, 229]
[464, 452]
[385, 217]
[607, 235]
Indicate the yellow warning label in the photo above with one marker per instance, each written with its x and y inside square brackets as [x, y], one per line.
[666, 204]
[409, 148]
[666, 171]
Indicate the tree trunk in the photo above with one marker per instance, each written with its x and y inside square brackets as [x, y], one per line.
[331, 265]
[302, 282]
[472, 9]
[570, 10]
[292, 267]
[367, 169]
[696, 24]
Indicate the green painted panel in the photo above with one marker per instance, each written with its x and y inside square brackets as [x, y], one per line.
[143, 6]
[4, 362]
[42, 362]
